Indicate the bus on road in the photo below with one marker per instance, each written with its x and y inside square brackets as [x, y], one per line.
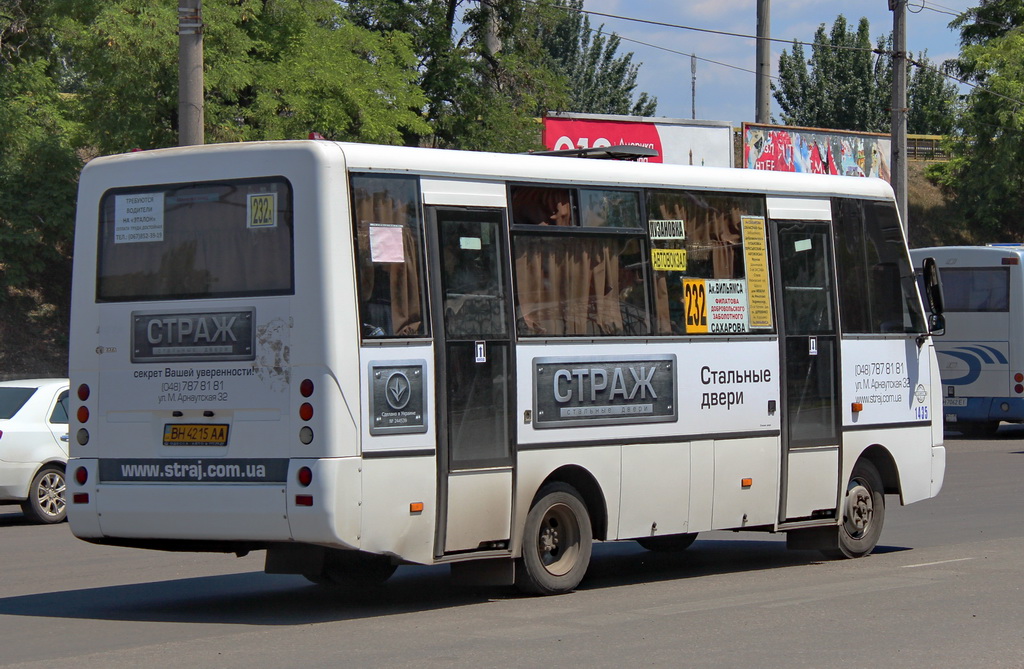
[981, 355]
[355, 357]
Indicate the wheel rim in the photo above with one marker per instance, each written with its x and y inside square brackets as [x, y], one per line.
[558, 541]
[859, 509]
[50, 494]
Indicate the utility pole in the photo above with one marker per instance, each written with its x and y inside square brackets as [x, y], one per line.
[492, 40]
[898, 160]
[190, 72]
[764, 62]
[693, 85]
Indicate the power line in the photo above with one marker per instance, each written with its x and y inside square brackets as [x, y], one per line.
[724, 33]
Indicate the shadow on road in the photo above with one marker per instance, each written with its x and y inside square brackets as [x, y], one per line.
[256, 598]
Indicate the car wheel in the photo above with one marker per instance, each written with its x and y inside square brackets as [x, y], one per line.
[46, 503]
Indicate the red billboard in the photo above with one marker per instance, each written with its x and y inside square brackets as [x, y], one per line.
[676, 141]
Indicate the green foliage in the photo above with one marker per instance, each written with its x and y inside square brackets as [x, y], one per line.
[273, 70]
[844, 85]
[600, 81]
[836, 87]
[38, 173]
[985, 176]
[933, 100]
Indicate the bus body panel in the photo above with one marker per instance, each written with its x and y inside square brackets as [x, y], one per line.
[480, 509]
[389, 524]
[890, 380]
[746, 483]
[720, 388]
[818, 471]
[655, 505]
[333, 516]
[240, 513]
[384, 433]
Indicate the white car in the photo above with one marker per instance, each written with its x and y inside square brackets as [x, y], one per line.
[34, 447]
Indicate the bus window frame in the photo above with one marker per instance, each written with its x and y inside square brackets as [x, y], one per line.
[288, 206]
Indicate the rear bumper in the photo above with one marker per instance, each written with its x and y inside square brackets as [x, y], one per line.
[15, 478]
[986, 410]
[151, 514]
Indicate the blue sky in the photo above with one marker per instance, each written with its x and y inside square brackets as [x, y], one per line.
[727, 94]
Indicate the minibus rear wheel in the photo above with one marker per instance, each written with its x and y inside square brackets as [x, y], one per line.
[557, 542]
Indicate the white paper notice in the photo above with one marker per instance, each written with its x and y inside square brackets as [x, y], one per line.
[138, 218]
[386, 243]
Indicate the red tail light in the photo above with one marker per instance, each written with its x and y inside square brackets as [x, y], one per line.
[83, 392]
[306, 411]
[306, 387]
[305, 476]
[81, 475]
[83, 415]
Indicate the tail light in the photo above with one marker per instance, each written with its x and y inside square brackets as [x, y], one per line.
[306, 389]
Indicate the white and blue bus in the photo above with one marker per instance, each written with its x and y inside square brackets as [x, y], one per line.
[981, 354]
[355, 357]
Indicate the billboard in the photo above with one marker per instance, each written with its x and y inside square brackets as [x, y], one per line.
[677, 141]
[780, 148]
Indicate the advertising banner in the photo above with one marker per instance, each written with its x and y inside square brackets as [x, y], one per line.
[780, 148]
[677, 141]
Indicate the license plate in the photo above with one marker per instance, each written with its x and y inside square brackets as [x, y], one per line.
[954, 401]
[187, 434]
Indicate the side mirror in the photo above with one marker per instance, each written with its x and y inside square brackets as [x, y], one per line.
[933, 287]
[933, 293]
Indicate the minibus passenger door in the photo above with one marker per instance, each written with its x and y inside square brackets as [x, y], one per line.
[809, 349]
[470, 313]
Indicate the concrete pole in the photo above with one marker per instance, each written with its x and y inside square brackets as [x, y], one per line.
[764, 62]
[898, 160]
[190, 72]
[693, 86]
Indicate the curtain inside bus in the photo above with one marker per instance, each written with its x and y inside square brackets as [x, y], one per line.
[578, 278]
[388, 233]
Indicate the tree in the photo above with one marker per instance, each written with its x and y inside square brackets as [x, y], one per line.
[836, 87]
[273, 70]
[478, 97]
[600, 81]
[38, 162]
[985, 175]
[933, 100]
[848, 86]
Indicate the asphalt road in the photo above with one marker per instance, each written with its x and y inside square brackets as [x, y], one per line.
[945, 588]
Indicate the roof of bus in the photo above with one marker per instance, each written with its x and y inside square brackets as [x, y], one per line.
[969, 255]
[452, 164]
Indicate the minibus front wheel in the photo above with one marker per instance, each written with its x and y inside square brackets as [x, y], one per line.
[863, 513]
